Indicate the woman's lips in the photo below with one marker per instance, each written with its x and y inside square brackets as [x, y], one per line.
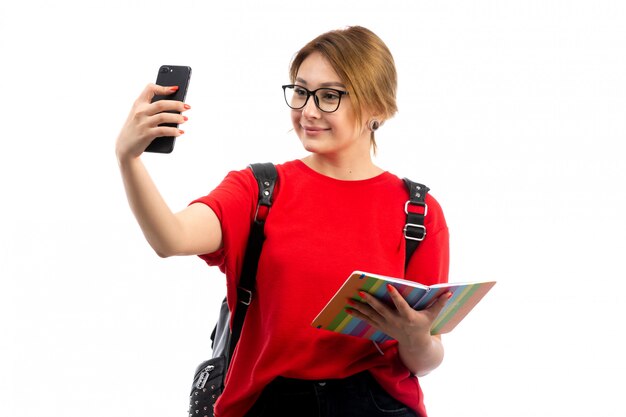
[313, 130]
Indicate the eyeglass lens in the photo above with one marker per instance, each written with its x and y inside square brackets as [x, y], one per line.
[326, 99]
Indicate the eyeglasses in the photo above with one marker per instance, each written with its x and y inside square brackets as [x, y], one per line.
[326, 99]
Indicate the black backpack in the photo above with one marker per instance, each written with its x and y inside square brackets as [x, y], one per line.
[208, 380]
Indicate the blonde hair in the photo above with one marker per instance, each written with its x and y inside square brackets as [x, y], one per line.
[364, 63]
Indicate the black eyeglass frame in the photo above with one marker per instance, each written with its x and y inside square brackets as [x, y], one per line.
[310, 93]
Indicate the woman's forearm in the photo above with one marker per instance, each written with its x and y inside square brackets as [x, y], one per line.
[159, 225]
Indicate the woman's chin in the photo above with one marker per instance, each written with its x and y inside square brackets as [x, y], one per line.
[311, 145]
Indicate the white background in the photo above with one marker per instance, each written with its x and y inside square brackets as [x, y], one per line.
[513, 112]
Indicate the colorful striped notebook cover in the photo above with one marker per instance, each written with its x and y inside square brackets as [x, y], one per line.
[334, 317]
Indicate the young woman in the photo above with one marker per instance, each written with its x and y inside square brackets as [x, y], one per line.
[334, 212]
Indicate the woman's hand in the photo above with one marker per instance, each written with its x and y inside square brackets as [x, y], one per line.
[142, 124]
[419, 351]
[402, 322]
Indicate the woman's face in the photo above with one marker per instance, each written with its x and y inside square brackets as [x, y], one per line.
[326, 133]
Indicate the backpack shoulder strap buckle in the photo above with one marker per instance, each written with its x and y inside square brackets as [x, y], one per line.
[415, 232]
[416, 210]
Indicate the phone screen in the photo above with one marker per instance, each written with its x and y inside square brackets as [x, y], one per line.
[170, 75]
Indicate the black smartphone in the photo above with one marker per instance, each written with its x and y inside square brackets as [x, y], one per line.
[170, 75]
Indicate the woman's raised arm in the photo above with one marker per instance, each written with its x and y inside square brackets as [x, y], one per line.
[192, 231]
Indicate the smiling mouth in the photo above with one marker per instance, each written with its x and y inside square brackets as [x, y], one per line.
[313, 130]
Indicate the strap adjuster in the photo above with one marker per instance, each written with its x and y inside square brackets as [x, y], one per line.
[262, 210]
[244, 296]
[418, 204]
[415, 232]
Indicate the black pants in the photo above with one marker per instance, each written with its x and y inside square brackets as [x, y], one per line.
[356, 396]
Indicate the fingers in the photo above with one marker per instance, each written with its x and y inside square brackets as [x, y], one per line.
[144, 105]
[164, 106]
[379, 312]
[371, 309]
[152, 90]
[375, 304]
[364, 312]
[148, 120]
[161, 124]
[438, 305]
[165, 131]
[401, 322]
[401, 305]
[170, 105]
[162, 111]
[161, 118]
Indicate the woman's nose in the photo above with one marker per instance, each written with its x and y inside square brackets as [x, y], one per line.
[310, 110]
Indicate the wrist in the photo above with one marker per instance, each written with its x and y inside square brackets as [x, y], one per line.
[124, 160]
[422, 354]
[417, 343]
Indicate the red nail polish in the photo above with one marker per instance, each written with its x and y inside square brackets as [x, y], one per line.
[182, 132]
[175, 88]
[362, 294]
[449, 295]
[390, 287]
[348, 311]
[185, 118]
[187, 106]
[351, 302]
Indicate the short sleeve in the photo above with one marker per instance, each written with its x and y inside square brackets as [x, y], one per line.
[234, 202]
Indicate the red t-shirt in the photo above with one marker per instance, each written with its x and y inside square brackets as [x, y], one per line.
[318, 231]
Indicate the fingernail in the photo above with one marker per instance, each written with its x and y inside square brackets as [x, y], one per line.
[362, 294]
[347, 310]
[187, 106]
[185, 118]
[182, 132]
[389, 287]
[351, 302]
[449, 295]
[175, 88]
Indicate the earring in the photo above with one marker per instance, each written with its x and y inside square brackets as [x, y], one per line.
[373, 125]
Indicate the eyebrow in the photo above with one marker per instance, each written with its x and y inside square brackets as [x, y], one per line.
[328, 84]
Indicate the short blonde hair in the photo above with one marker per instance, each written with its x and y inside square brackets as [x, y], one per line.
[364, 64]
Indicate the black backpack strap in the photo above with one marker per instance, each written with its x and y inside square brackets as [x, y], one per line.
[416, 210]
[266, 177]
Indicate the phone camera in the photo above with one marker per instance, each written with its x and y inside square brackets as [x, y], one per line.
[165, 70]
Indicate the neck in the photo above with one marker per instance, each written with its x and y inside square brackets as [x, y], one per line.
[347, 169]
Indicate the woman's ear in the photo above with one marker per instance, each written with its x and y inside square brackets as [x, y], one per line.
[375, 121]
